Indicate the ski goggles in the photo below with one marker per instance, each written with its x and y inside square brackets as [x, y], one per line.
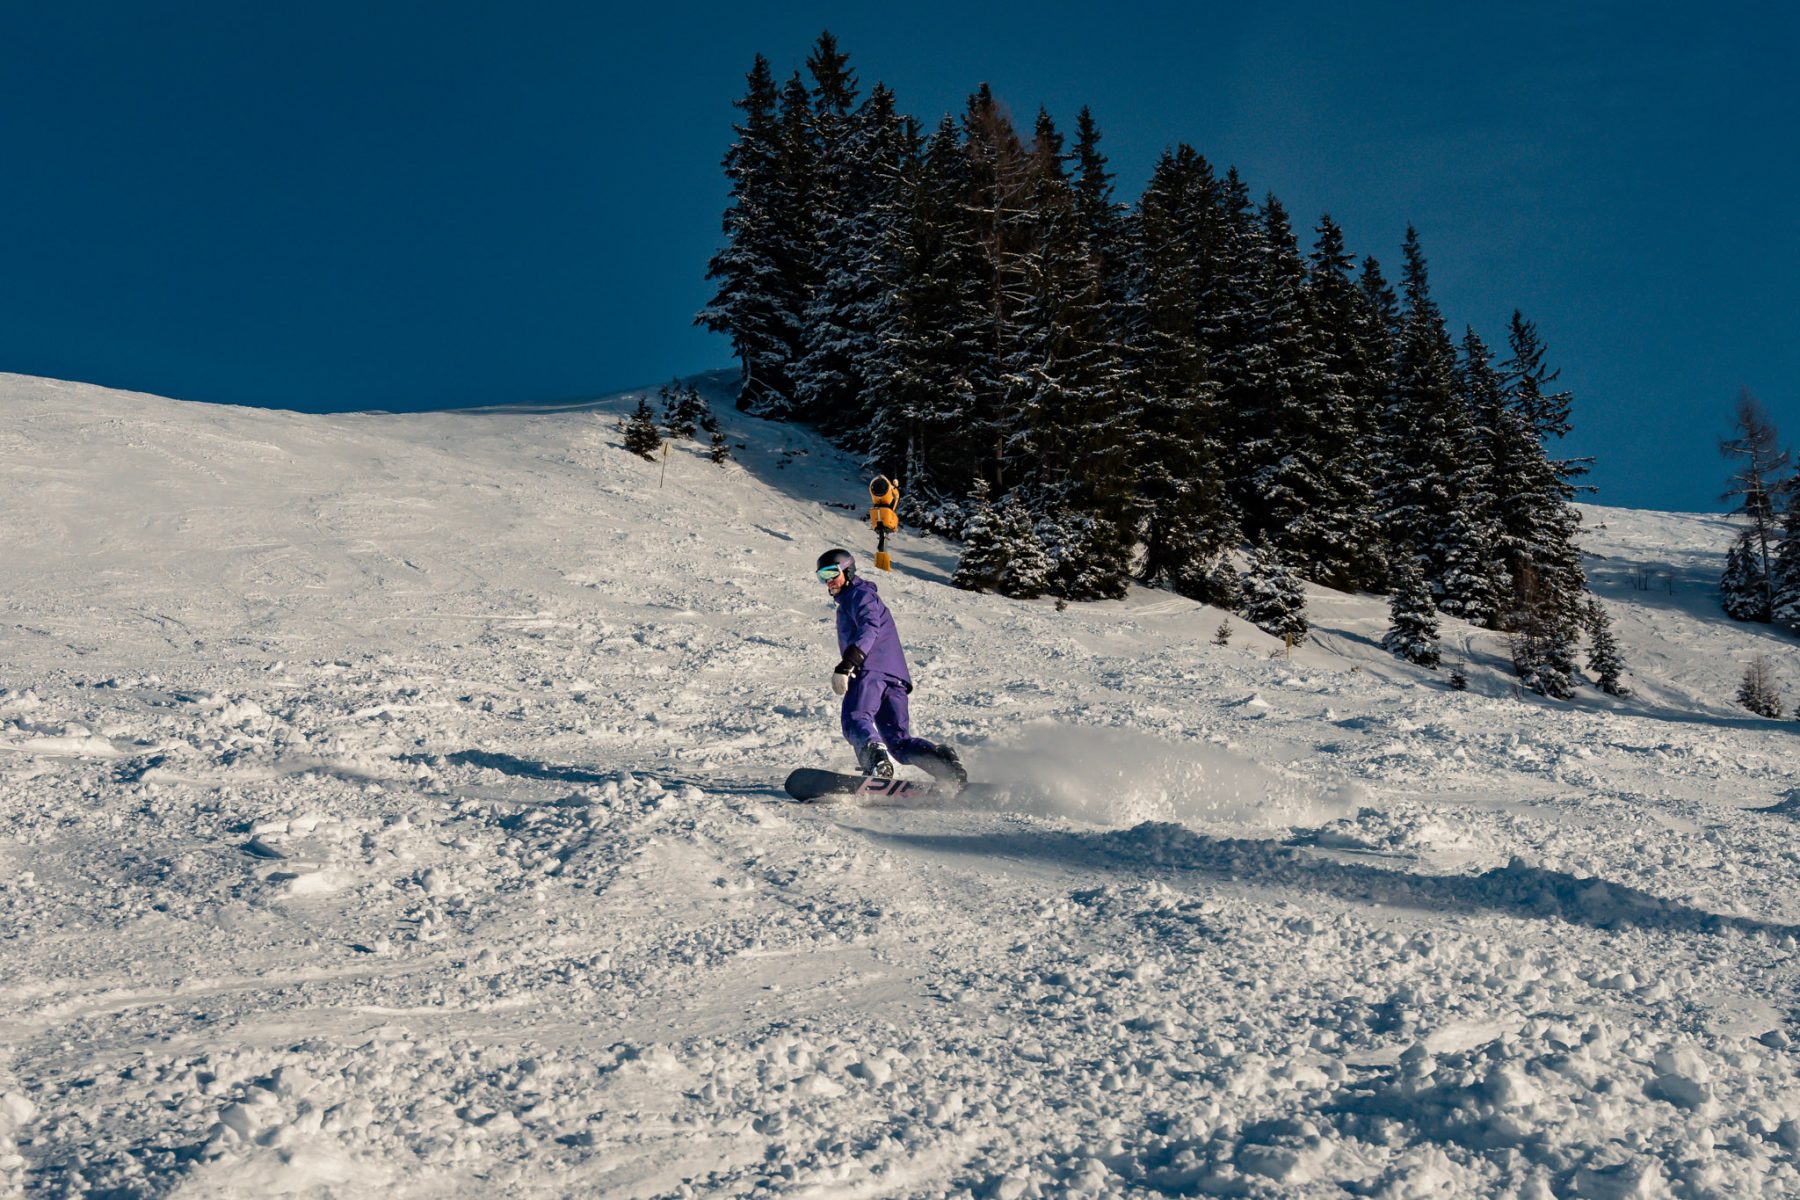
[827, 574]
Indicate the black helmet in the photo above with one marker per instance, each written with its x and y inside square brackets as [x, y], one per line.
[839, 558]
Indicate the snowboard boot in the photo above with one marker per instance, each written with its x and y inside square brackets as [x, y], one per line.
[945, 765]
[875, 761]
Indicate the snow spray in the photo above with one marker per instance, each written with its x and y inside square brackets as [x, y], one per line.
[1119, 777]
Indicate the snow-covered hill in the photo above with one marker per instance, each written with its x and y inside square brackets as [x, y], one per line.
[390, 805]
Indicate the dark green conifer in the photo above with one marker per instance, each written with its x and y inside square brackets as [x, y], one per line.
[641, 434]
[682, 409]
[1473, 583]
[1274, 600]
[1185, 518]
[1069, 435]
[718, 448]
[986, 552]
[758, 298]
[933, 411]
[1759, 462]
[1352, 549]
[1539, 524]
[1604, 659]
[1412, 617]
[1028, 565]
[1759, 691]
[1287, 421]
[1424, 436]
[1744, 589]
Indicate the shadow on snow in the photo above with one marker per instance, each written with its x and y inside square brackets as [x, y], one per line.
[526, 768]
[1515, 890]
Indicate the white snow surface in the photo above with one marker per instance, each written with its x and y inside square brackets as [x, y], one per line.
[390, 806]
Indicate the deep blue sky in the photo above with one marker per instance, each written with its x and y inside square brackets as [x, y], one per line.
[333, 206]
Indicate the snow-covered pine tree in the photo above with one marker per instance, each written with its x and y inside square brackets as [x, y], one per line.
[1185, 519]
[718, 448]
[1743, 589]
[1069, 436]
[793, 219]
[1102, 219]
[1224, 586]
[682, 409]
[986, 551]
[1088, 560]
[1604, 659]
[1230, 285]
[1543, 646]
[1785, 570]
[1538, 522]
[1759, 462]
[1274, 601]
[1545, 411]
[1471, 586]
[1474, 580]
[1759, 691]
[1426, 438]
[931, 375]
[1290, 419]
[758, 298]
[641, 434]
[1557, 669]
[1412, 616]
[670, 394]
[694, 407]
[1378, 335]
[832, 129]
[861, 157]
[1379, 328]
[1353, 550]
[1028, 565]
[1002, 177]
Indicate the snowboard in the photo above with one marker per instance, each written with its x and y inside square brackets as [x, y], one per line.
[810, 783]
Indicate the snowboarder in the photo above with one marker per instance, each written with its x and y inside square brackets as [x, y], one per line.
[874, 682]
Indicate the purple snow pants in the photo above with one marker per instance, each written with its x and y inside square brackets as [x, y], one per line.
[875, 711]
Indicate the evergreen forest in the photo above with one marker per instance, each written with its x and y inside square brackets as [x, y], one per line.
[1092, 391]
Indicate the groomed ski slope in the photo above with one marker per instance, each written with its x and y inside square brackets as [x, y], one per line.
[389, 806]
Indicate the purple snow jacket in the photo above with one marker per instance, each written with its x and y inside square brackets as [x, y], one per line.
[863, 621]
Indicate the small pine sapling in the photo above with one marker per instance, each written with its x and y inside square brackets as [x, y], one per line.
[682, 409]
[1759, 692]
[1604, 659]
[719, 450]
[694, 409]
[1743, 589]
[1222, 635]
[670, 395]
[641, 435]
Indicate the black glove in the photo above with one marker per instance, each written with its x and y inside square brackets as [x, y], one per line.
[840, 678]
